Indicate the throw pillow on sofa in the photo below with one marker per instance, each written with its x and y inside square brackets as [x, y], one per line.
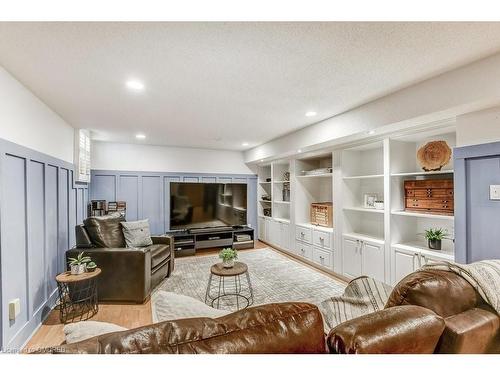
[137, 233]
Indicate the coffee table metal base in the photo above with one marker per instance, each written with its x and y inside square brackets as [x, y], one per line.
[229, 286]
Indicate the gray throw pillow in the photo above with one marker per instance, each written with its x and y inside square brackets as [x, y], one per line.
[136, 233]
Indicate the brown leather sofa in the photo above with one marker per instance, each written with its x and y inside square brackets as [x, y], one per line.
[128, 274]
[427, 312]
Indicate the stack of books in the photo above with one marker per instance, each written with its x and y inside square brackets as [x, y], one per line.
[119, 206]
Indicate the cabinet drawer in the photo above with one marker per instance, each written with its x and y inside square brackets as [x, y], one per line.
[440, 204]
[303, 249]
[321, 239]
[426, 184]
[322, 257]
[303, 234]
[430, 193]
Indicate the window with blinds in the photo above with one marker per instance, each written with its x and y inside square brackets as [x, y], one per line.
[82, 158]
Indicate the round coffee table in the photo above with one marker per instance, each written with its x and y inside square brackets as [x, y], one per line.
[229, 285]
[77, 296]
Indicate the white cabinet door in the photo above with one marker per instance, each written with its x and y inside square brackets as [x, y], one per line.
[429, 259]
[262, 229]
[372, 255]
[285, 236]
[303, 234]
[267, 230]
[351, 257]
[405, 262]
[275, 232]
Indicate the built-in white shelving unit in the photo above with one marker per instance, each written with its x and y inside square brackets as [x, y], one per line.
[387, 243]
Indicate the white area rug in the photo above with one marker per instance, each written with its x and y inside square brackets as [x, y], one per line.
[274, 277]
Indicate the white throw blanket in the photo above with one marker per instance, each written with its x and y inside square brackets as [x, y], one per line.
[362, 296]
[484, 276]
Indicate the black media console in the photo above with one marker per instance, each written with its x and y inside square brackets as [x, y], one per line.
[187, 241]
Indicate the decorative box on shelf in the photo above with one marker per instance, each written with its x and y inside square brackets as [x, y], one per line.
[322, 214]
[430, 196]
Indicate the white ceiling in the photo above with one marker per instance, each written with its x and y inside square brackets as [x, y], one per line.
[216, 85]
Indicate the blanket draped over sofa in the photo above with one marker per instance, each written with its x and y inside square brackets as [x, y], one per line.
[484, 276]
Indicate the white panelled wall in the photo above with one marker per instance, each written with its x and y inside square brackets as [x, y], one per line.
[386, 244]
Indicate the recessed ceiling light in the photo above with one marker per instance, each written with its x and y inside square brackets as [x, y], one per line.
[244, 144]
[299, 150]
[371, 132]
[261, 160]
[135, 85]
[311, 114]
[140, 136]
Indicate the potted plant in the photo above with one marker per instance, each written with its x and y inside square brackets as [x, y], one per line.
[434, 237]
[91, 266]
[78, 264]
[228, 255]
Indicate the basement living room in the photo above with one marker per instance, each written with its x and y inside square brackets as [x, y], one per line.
[249, 188]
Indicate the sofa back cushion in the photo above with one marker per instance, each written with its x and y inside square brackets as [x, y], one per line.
[275, 328]
[443, 292]
[105, 231]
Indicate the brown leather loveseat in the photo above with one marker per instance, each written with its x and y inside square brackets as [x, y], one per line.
[427, 312]
[128, 274]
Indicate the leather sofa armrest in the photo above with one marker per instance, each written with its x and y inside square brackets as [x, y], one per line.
[474, 331]
[126, 272]
[399, 329]
[169, 240]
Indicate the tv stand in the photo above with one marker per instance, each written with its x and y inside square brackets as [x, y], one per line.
[186, 242]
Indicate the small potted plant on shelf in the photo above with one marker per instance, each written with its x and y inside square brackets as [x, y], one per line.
[228, 255]
[78, 264]
[434, 237]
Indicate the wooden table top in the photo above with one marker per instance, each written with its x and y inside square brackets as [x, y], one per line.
[238, 269]
[67, 277]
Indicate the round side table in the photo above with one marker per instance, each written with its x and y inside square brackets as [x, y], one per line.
[77, 296]
[229, 285]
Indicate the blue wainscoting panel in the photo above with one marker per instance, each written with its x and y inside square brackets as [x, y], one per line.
[128, 191]
[36, 238]
[152, 203]
[148, 193]
[14, 244]
[39, 206]
[477, 227]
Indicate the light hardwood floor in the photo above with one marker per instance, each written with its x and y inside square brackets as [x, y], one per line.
[51, 332]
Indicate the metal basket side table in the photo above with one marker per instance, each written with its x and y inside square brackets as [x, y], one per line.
[77, 296]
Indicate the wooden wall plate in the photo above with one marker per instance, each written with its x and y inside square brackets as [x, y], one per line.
[434, 155]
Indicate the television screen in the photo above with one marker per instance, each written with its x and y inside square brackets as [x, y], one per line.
[202, 205]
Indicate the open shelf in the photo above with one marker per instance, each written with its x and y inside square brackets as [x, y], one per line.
[422, 215]
[362, 177]
[323, 175]
[363, 209]
[423, 173]
[281, 202]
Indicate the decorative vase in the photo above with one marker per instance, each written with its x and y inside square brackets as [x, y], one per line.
[228, 263]
[435, 244]
[78, 269]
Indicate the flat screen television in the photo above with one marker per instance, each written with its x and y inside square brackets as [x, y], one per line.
[205, 205]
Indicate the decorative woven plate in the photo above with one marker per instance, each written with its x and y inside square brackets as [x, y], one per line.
[434, 155]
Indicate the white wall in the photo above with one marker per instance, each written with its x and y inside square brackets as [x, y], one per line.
[27, 121]
[470, 88]
[133, 157]
[479, 127]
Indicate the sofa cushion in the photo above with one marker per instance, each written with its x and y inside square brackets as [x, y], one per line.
[136, 233]
[105, 231]
[159, 253]
[76, 332]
